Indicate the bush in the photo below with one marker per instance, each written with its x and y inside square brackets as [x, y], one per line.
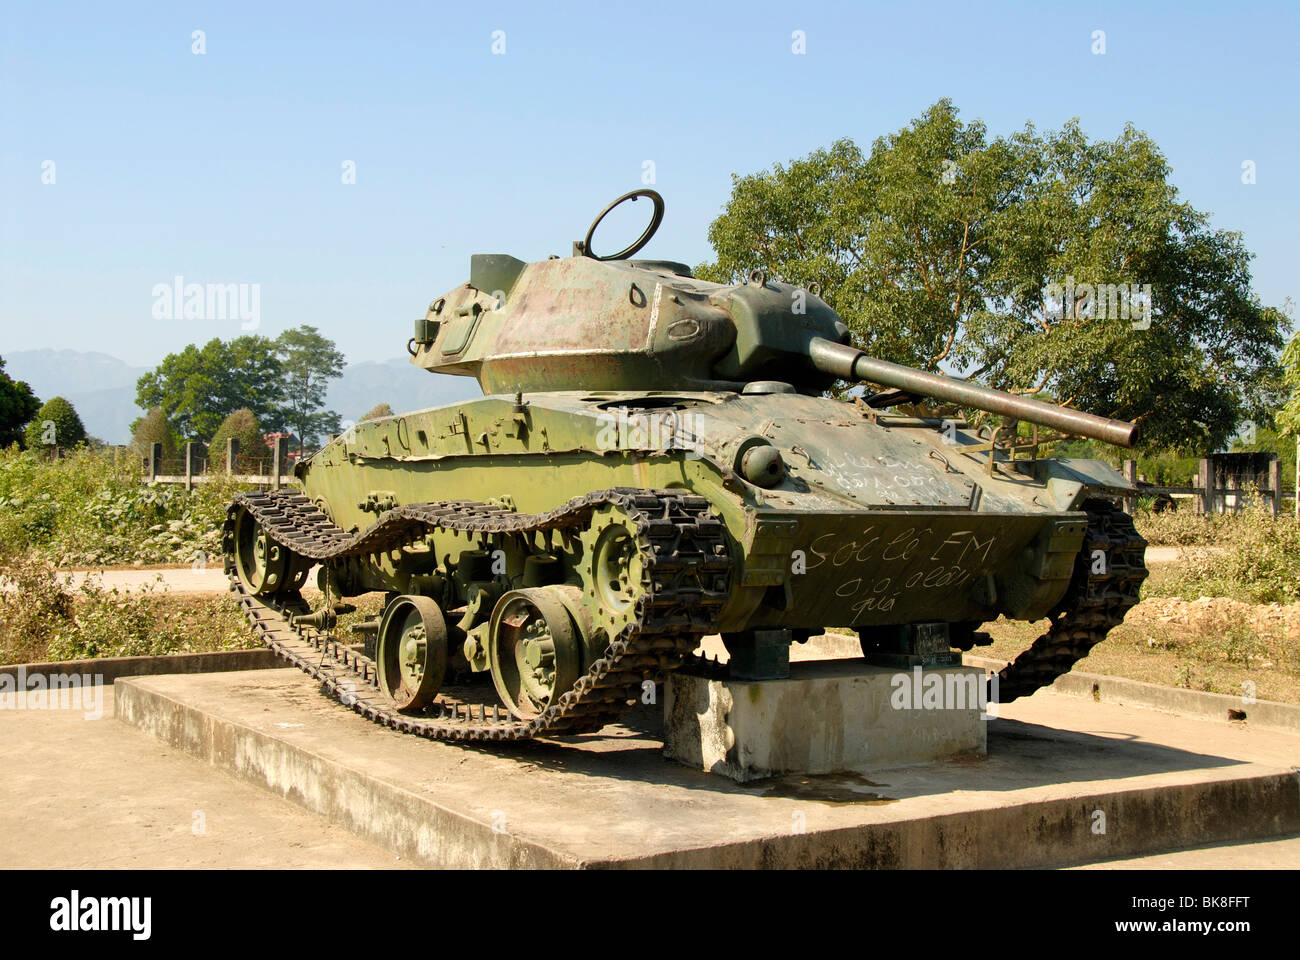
[56, 424]
[42, 618]
[90, 508]
[243, 426]
[150, 429]
[1182, 527]
[1258, 560]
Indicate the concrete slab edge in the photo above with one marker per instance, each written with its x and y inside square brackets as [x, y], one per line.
[109, 669]
[412, 827]
[1051, 833]
[1056, 832]
[1196, 704]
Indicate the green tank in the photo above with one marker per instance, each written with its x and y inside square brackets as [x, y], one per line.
[656, 459]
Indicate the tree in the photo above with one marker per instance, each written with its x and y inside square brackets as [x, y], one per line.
[310, 361]
[1288, 418]
[56, 424]
[199, 387]
[17, 405]
[1025, 262]
[377, 412]
[243, 426]
[150, 429]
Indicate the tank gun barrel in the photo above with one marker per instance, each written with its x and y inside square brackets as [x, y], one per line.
[853, 364]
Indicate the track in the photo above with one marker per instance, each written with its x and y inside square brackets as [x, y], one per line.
[686, 576]
[1099, 595]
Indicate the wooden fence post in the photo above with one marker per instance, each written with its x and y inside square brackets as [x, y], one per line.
[1205, 480]
[1275, 485]
[232, 451]
[1131, 475]
[189, 464]
[155, 454]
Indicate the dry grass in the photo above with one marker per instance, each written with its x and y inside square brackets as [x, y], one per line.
[42, 618]
[1213, 644]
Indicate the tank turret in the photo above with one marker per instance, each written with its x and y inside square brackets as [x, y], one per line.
[595, 323]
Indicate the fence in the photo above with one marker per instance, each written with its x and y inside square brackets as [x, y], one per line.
[1224, 483]
[193, 467]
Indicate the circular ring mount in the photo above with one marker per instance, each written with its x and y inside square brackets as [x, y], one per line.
[411, 652]
[533, 650]
[656, 218]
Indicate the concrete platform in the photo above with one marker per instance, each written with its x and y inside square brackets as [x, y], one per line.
[1066, 781]
[828, 716]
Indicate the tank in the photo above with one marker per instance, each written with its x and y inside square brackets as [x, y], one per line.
[655, 459]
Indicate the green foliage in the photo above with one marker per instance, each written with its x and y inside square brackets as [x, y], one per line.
[1168, 468]
[243, 426]
[90, 508]
[939, 249]
[43, 618]
[1255, 558]
[377, 412]
[281, 381]
[1288, 418]
[56, 424]
[310, 361]
[1271, 440]
[17, 406]
[199, 387]
[150, 429]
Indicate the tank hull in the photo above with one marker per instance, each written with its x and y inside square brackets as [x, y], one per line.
[876, 519]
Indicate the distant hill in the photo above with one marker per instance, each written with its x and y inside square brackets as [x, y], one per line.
[102, 387]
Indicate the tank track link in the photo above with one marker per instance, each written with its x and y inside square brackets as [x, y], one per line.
[1094, 603]
[686, 578]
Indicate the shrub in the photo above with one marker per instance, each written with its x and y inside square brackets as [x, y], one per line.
[90, 508]
[150, 429]
[56, 424]
[1258, 560]
[42, 618]
[243, 426]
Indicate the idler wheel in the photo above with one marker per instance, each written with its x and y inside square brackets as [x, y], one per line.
[534, 650]
[411, 652]
[264, 565]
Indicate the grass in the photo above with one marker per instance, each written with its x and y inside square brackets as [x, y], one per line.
[90, 509]
[1258, 560]
[1217, 652]
[42, 618]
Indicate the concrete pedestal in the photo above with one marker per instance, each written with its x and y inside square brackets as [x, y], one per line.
[827, 717]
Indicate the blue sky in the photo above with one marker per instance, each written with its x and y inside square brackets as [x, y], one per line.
[226, 167]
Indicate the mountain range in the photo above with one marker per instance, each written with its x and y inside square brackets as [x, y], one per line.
[102, 387]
